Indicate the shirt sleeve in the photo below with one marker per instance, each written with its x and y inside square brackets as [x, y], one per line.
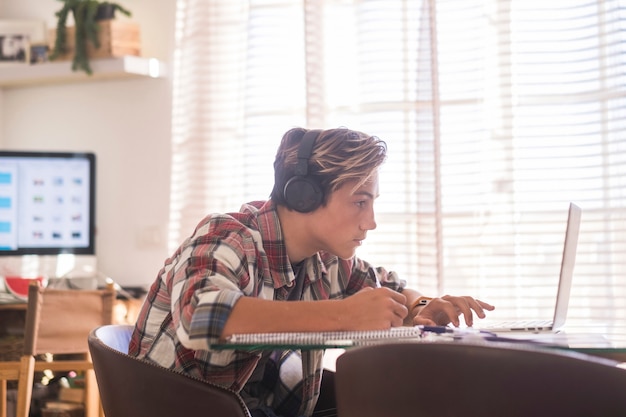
[364, 275]
[390, 279]
[208, 284]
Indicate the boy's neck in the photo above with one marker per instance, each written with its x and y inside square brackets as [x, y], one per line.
[294, 226]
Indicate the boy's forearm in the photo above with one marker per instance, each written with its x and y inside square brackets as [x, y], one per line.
[254, 315]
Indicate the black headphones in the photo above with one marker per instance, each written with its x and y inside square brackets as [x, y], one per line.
[302, 192]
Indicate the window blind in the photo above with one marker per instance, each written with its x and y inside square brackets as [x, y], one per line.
[496, 115]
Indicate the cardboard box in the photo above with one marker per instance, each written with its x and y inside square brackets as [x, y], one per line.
[117, 38]
[62, 409]
[62, 413]
[72, 395]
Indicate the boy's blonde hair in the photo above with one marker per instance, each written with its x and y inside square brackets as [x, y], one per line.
[339, 156]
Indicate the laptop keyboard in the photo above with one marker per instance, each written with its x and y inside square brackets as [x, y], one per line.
[517, 325]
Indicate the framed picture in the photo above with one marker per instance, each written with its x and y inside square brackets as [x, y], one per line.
[16, 38]
[14, 49]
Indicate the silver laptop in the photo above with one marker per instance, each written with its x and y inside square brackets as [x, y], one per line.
[563, 293]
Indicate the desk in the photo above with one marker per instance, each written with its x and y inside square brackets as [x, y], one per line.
[605, 341]
[12, 319]
[13, 306]
[12, 315]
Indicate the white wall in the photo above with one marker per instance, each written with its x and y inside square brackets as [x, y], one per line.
[125, 122]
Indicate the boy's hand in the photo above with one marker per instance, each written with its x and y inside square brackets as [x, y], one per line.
[374, 309]
[447, 309]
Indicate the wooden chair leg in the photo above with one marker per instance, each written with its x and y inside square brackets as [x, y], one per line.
[3, 398]
[25, 386]
[9, 371]
[92, 397]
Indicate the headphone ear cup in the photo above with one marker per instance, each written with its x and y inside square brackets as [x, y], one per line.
[303, 194]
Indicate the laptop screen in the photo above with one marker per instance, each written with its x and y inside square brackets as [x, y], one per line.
[567, 265]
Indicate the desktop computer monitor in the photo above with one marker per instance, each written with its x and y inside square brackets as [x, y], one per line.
[47, 203]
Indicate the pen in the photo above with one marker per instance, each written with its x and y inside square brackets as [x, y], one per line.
[436, 329]
[454, 331]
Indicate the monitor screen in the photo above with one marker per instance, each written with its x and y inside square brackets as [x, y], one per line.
[47, 203]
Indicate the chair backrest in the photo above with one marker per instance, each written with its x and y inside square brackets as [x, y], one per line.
[58, 321]
[139, 388]
[462, 379]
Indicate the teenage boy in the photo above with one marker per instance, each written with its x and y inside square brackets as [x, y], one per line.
[284, 265]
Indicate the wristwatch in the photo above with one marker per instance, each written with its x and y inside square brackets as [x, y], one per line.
[420, 302]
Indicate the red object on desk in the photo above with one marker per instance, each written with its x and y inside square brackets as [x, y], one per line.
[18, 286]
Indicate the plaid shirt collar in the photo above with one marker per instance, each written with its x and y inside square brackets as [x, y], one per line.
[268, 223]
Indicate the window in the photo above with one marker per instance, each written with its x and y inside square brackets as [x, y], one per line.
[496, 115]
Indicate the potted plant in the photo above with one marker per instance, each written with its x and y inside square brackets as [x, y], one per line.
[86, 14]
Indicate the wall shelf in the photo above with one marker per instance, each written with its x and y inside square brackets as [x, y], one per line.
[61, 72]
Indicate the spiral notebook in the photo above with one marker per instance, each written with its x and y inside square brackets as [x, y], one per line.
[347, 339]
[566, 274]
[320, 340]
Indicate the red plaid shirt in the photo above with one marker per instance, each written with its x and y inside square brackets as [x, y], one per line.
[227, 257]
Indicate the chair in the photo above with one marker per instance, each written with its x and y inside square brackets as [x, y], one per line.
[139, 388]
[471, 380]
[58, 323]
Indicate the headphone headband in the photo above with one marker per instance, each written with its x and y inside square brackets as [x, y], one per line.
[305, 151]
